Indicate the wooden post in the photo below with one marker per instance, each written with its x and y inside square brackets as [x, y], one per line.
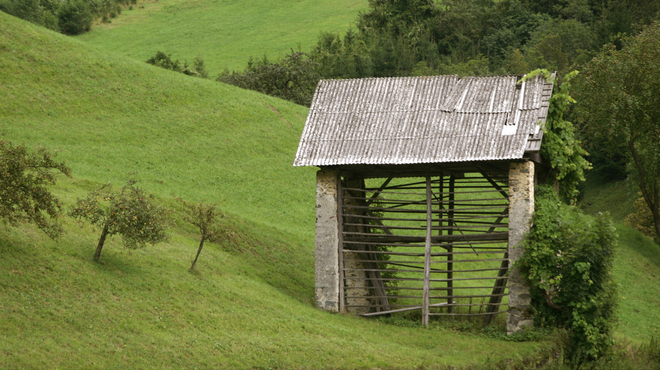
[427, 252]
[340, 247]
[450, 247]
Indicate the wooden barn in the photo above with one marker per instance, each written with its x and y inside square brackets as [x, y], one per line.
[425, 188]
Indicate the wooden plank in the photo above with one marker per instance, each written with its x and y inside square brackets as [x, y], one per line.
[500, 236]
[470, 210]
[466, 314]
[457, 245]
[450, 249]
[340, 221]
[427, 256]
[498, 289]
[402, 310]
[417, 268]
[495, 185]
[434, 297]
[377, 192]
[388, 229]
[378, 279]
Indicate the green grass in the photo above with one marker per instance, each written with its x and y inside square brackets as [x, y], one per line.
[637, 267]
[251, 302]
[616, 197]
[225, 33]
[637, 271]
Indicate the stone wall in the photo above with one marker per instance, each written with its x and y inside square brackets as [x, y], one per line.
[326, 253]
[521, 209]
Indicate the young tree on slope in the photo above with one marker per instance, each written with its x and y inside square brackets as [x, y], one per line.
[619, 103]
[130, 214]
[23, 193]
[205, 217]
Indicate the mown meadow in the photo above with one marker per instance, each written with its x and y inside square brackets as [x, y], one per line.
[250, 302]
[224, 33]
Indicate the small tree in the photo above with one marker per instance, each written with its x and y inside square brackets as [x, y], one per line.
[206, 218]
[24, 196]
[130, 214]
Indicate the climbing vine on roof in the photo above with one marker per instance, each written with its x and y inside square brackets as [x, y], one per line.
[560, 145]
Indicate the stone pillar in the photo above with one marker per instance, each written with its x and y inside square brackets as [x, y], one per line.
[356, 284]
[521, 208]
[326, 253]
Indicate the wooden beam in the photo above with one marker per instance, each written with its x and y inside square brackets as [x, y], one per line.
[377, 192]
[340, 222]
[427, 253]
[450, 249]
[499, 236]
[498, 290]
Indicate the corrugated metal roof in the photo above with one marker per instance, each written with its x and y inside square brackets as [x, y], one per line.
[411, 120]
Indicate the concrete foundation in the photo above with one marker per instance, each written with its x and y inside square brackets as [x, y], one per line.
[326, 253]
[521, 209]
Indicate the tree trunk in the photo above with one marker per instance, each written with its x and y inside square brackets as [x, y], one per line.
[199, 250]
[654, 210]
[653, 202]
[99, 247]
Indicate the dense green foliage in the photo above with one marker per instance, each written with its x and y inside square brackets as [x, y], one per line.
[620, 96]
[130, 213]
[560, 146]
[74, 17]
[41, 12]
[24, 194]
[568, 263]
[476, 37]
[71, 17]
[294, 78]
[197, 69]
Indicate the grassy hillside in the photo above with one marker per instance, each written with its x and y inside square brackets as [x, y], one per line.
[637, 267]
[251, 303]
[615, 197]
[224, 33]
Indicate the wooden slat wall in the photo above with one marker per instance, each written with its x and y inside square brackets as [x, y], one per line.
[436, 244]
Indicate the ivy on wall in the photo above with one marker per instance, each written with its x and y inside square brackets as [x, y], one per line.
[560, 145]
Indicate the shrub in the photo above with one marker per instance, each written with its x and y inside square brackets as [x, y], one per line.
[75, 17]
[294, 78]
[165, 61]
[568, 263]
